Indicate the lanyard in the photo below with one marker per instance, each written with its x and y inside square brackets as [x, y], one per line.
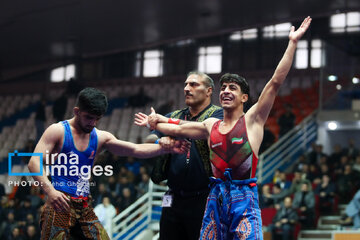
[188, 153]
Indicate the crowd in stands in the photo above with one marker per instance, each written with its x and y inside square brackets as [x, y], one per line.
[315, 186]
[20, 210]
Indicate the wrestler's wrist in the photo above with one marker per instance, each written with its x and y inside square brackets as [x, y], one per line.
[48, 188]
[293, 42]
[173, 121]
[161, 119]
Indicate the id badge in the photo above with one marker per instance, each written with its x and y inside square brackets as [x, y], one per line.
[167, 200]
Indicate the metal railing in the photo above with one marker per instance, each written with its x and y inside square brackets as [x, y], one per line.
[139, 215]
[287, 150]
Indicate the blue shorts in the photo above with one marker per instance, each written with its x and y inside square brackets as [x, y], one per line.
[232, 210]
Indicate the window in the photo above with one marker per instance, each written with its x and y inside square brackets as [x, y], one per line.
[63, 73]
[153, 63]
[316, 54]
[345, 22]
[209, 60]
[245, 34]
[301, 57]
[278, 30]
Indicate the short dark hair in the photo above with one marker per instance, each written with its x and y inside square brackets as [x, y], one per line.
[207, 79]
[92, 100]
[241, 81]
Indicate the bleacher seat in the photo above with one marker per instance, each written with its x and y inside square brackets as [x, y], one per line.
[267, 215]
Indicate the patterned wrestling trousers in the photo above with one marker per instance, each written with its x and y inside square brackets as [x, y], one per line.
[78, 224]
[232, 210]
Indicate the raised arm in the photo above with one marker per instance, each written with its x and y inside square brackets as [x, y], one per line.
[260, 111]
[176, 127]
[192, 130]
[51, 137]
[146, 150]
[150, 121]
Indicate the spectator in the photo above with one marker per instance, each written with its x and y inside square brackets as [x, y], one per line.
[309, 172]
[31, 233]
[304, 202]
[7, 226]
[101, 193]
[340, 167]
[26, 209]
[16, 234]
[326, 192]
[31, 221]
[324, 170]
[352, 212]
[143, 186]
[126, 182]
[113, 187]
[127, 198]
[305, 173]
[124, 172]
[142, 170]
[276, 177]
[335, 157]
[265, 199]
[346, 183]
[105, 211]
[296, 183]
[286, 121]
[278, 195]
[283, 182]
[352, 151]
[313, 172]
[300, 163]
[316, 154]
[285, 219]
[10, 207]
[356, 166]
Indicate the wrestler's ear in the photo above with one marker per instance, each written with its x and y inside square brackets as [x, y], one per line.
[76, 111]
[244, 98]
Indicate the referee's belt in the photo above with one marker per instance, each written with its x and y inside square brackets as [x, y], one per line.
[183, 193]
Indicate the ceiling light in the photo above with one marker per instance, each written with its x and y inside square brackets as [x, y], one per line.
[332, 126]
[332, 78]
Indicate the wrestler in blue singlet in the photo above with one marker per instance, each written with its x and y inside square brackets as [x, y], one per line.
[75, 185]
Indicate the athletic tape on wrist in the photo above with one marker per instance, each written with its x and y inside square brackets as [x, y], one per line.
[174, 121]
